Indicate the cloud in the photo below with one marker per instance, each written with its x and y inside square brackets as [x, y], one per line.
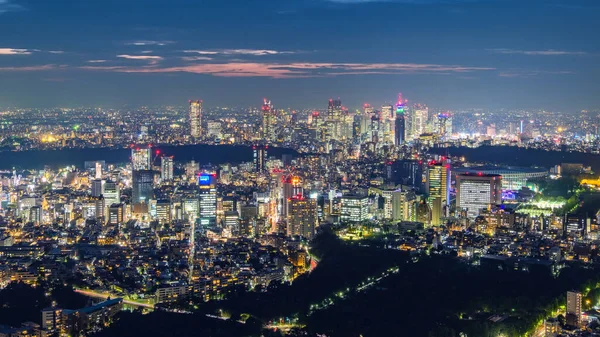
[140, 57]
[96, 61]
[15, 51]
[252, 52]
[547, 52]
[532, 73]
[33, 68]
[295, 70]
[149, 43]
[56, 51]
[10, 6]
[196, 58]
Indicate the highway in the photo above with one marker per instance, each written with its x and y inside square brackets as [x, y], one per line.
[96, 294]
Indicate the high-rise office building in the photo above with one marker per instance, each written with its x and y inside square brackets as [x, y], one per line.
[476, 192]
[334, 119]
[419, 119]
[142, 186]
[302, 216]
[111, 193]
[573, 316]
[163, 211]
[354, 208]
[400, 123]
[269, 122]
[291, 187]
[97, 187]
[444, 125]
[438, 190]
[260, 157]
[141, 157]
[196, 119]
[166, 168]
[208, 199]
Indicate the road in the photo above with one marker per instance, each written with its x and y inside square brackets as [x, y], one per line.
[96, 294]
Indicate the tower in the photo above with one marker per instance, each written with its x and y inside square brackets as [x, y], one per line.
[208, 199]
[574, 308]
[141, 158]
[400, 123]
[166, 168]
[196, 118]
[142, 188]
[268, 122]
[302, 216]
[260, 157]
[438, 189]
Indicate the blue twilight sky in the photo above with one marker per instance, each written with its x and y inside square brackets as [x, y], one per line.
[299, 53]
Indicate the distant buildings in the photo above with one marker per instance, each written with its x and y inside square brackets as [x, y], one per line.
[75, 322]
[166, 168]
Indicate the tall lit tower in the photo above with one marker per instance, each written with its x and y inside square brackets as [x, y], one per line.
[141, 157]
[438, 190]
[196, 119]
[268, 121]
[166, 168]
[400, 123]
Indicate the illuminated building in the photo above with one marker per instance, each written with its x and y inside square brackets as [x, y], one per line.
[231, 220]
[438, 190]
[35, 215]
[404, 206]
[260, 158]
[334, 119]
[97, 187]
[444, 125]
[196, 119]
[400, 123]
[142, 189]
[163, 211]
[551, 327]
[419, 119]
[116, 214]
[302, 216]
[208, 199]
[291, 186]
[269, 122]
[573, 316]
[111, 193]
[355, 208]
[475, 192]
[141, 158]
[166, 168]
[513, 178]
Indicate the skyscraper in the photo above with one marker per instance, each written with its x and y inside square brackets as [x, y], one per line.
[269, 122]
[97, 187]
[400, 123]
[166, 168]
[476, 192]
[334, 119]
[438, 190]
[444, 125]
[141, 157]
[260, 157]
[355, 208]
[573, 316]
[302, 216]
[111, 193]
[196, 118]
[142, 189]
[420, 117]
[208, 199]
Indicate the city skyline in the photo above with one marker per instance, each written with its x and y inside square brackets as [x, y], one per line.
[491, 54]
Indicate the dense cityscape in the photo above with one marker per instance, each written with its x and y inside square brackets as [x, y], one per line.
[305, 168]
[156, 233]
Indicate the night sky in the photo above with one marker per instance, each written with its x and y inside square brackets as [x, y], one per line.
[446, 53]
